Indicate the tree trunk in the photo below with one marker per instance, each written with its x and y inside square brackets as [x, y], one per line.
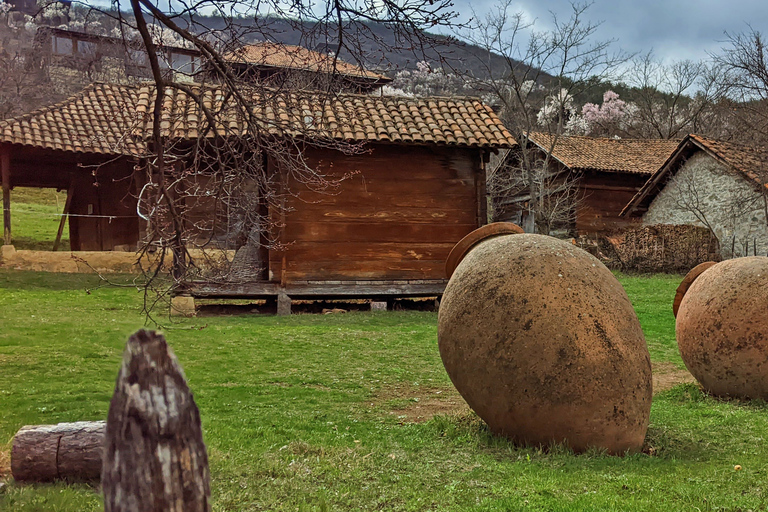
[67, 451]
[154, 458]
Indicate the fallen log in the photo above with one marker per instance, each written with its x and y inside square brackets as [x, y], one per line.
[154, 456]
[66, 451]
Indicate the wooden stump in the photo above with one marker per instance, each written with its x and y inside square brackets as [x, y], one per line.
[154, 457]
[67, 451]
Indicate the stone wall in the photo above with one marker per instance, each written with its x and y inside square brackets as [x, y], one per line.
[705, 190]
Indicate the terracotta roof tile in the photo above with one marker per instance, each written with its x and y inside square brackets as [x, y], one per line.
[741, 158]
[98, 119]
[350, 117]
[116, 119]
[745, 159]
[608, 155]
[296, 57]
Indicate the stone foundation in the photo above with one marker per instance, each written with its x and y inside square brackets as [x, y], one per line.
[92, 261]
[183, 306]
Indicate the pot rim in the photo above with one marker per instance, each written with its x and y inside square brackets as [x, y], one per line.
[482, 233]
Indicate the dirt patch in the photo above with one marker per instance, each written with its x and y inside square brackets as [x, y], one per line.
[667, 375]
[416, 404]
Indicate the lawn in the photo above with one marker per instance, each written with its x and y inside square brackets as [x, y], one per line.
[355, 412]
[35, 217]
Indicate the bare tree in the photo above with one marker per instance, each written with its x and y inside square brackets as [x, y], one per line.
[544, 70]
[675, 99]
[747, 79]
[24, 83]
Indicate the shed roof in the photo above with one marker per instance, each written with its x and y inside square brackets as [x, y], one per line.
[116, 119]
[98, 119]
[745, 160]
[287, 56]
[345, 117]
[607, 155]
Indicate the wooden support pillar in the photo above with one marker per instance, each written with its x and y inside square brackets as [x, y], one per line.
[64, 215]
[480, 190]
[5, 171]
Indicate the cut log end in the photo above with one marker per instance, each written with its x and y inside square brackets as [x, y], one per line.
[66, 451]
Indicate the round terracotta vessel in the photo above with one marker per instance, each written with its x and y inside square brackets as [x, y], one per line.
[542, 342]
[722, 328]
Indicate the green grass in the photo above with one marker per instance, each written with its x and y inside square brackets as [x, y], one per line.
[301, 413]
[35, 217]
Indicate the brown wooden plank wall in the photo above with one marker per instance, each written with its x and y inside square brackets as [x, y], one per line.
[111, 192]
[604, 195]
[397, 216]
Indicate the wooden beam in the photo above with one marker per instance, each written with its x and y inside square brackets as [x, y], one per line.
[5, 170]
[480, 192]
[319, 289]
[64, 215]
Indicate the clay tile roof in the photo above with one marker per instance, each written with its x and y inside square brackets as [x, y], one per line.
[278, 55]
[347, 117]
[741, 158]
[99, 119]
[116, 119]
[608, 155]
[745, 159]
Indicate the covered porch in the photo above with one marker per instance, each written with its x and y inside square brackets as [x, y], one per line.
[101, 195]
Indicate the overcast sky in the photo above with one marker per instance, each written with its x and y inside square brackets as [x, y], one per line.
[674, 29]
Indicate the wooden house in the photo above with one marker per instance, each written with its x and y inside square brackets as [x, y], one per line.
[69, 55]
[294, 67]
[81, 145]
[606, 174]
[415, 187]
[720, 185]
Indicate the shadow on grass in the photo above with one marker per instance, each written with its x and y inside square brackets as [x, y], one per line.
[672, 441]
[28, 243]
[28, 280]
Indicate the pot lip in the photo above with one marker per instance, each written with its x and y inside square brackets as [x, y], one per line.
[687, 281]
[475, 237]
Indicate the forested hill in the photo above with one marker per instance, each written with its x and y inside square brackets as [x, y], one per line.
[379, 48]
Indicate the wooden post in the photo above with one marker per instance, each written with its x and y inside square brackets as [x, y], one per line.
[154, 455]
[5, 171]
[64, 215]
[480, 191]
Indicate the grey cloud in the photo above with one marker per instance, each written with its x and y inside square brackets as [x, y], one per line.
[674, 29]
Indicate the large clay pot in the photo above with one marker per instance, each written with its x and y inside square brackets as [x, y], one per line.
[722, 327]
[543, 343]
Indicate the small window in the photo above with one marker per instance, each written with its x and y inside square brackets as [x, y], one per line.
[182, 63]
[61, 45]
[86, 47]
[137, 57]
[163, 59]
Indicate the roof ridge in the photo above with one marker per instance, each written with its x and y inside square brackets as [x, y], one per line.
[611, 139]
[331, 95]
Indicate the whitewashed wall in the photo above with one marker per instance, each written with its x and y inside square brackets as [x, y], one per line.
[731, 205]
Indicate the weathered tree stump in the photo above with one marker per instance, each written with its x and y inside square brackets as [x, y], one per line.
[154, 456]
[66, 451]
